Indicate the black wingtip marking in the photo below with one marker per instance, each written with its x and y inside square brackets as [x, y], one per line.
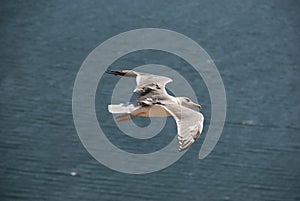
[115, 72]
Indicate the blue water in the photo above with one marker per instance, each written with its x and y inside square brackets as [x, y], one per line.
[255, 46]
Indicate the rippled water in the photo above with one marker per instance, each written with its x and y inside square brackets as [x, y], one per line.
[255, 47]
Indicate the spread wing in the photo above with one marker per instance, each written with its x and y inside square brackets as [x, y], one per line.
[144, 81]
[189, 124]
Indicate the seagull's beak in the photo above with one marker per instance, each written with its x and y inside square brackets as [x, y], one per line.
[197, 105]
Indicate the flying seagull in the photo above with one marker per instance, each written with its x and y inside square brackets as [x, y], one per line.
[154, 101]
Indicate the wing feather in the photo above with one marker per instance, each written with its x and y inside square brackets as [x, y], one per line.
[189, 124]
[144, 80]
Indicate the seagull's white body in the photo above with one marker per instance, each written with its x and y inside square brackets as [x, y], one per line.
[154, 101]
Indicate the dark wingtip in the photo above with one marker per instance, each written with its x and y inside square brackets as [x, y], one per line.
[110, 72]
[114, 72]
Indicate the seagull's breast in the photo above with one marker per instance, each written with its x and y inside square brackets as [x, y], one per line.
[156, 111]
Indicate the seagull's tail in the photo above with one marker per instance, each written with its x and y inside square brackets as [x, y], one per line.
[123, 108]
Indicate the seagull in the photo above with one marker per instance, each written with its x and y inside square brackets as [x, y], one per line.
[154, 101]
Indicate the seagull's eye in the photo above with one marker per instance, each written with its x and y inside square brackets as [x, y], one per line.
[188, 100]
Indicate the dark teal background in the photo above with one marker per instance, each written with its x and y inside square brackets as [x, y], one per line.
[255, 45]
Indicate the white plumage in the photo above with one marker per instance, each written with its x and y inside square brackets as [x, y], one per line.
[154, 101]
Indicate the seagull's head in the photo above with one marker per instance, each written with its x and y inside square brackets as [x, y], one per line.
[186, 102]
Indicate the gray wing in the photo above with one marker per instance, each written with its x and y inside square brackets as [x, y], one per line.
[144, 81]
[189, 124]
